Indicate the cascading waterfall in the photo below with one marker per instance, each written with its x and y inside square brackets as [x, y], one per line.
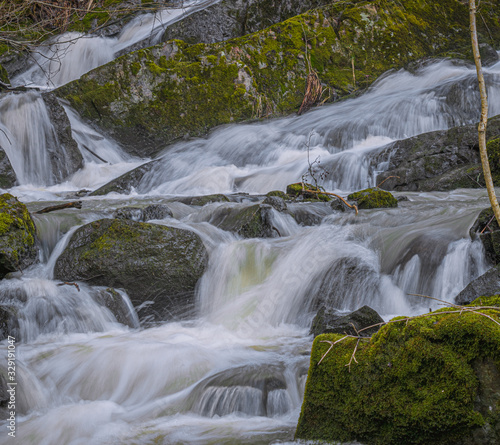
[234, 373]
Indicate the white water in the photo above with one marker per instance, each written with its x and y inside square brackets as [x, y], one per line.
[235, 373]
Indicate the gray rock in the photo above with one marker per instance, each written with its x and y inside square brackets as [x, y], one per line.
[486, 228]
[249, 222]
[158, 266]
[276, 202]
[489, 56]
[484, 286]
[7, 174]
[113, 300]
[329, 320]
[153, 211]
[202, 200]
[65, 157]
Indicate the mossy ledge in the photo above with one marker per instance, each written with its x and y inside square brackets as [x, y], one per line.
[435, 379]
[151, 97]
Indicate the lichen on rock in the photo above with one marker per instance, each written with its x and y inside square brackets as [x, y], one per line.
[373, 198]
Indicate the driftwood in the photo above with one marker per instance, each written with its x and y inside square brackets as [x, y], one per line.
[68, 205]
[66, 283]
[353, 206]
[313, 92]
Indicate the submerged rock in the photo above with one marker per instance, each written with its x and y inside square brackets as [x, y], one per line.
[152, 97]
[433, 379]
[373, 198]
[203, 200]
[153, 211]
[158, 266]
[18, 238]
[331, 321]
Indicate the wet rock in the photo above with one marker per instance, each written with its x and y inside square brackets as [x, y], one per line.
[7, 175]
[18, 238]
[9, 324]
[203, 200]
[486, 228]
[4, 78]
[65, 157]
[486, 284]
[158, 266]
[412, 382]
[373, 198]
[439, 160]
[127, 181]
[309, 214]
[338, 205]
[249, 222]
[279, 194]
[328, 321]
[154, 211]
[276, 202]
[113, 300]
[489, 55]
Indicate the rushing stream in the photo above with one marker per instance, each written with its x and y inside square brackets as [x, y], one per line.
[235, 371]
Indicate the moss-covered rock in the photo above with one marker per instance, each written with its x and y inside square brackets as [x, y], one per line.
[373, 198]
[18, 239]
[486, 284]
[152, 263]
[493, 149]
[301, 189]
[249, 222]
[151, 97]
[435, 379]
[279, 194]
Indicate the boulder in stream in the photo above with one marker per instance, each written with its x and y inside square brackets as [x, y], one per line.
[486, 228]
[373, 198]
[431, 379]
[158, 266]
[153, 211]
[7, 174]
[486, 284]
[18, 238]
[249, 222]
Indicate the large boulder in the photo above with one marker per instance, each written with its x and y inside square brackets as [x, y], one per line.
[439, 160]
[158, 266]
[433, 379]
[18, 238]
[7, 174]
[249, 222]
[151, 97]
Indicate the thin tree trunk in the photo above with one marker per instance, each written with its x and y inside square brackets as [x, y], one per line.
[484, 114]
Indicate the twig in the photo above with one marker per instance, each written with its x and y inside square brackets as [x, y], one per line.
[353, 356]
[388, 177]
[68, 205]
[70, 284]
[353, 206]
[488, 225]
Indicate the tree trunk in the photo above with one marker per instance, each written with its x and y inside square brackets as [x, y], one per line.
[484, 114]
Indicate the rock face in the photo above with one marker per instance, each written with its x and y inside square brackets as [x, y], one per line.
[67, 159]
[434, 379]
[330, 321]
[155, 264]
[18, 239]
[440, 160]
[7, 175]
[373, 198]
[229, 19]
[151, 97]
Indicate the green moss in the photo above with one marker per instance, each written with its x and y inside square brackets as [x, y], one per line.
[373, 198]
[4, 76]
[279, 194]
[493, 149]
[295, 190]
[493, 300]
[414, 383]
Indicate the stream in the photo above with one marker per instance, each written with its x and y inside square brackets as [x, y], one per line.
[235, 371]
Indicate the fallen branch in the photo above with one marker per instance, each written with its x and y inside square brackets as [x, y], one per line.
[353, 206]
[68, 205]
[388, 177]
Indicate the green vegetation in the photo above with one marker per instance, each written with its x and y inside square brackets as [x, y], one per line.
[295, 190]
[433, 379]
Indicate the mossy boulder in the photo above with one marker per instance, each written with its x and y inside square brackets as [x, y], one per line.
[373, 198]
[151, 97]
[152, 263]
[434, 379]
[249, 222]
[486, 228]
[305, 191]
[18, 238]
[203, 200]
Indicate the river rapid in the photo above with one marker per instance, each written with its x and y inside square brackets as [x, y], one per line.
[234, 373]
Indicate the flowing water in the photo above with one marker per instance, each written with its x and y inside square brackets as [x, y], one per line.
[235, 371]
